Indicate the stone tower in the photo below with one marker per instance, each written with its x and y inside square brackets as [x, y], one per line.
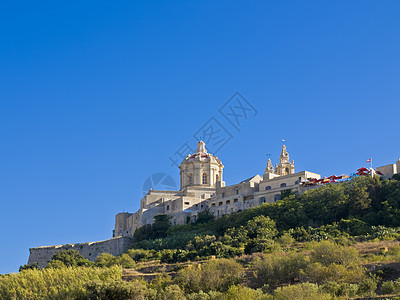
[201, 168]
[269, 169]
[285, 167]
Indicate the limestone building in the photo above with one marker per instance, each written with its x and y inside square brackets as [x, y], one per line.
[389, 170]
[202, 186]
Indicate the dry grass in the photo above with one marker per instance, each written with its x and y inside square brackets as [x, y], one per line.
[375, 247]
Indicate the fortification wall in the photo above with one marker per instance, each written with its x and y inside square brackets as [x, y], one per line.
[116, 246]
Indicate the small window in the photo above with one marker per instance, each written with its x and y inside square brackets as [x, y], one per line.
[213, 204]
[283, 184]
[190, 178]
[187, 203]
[220, 203]
[205, 178]
[237, 192]
[201, 205]
[223, 195]
[262, 200]
[277, 197]
[197, 205]
[167, 207]
[228, 201]
[216, 178]
[268, 187]
[235, 200]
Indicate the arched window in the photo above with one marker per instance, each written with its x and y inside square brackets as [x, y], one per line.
[277, 197]
[205, 178]
[190, 178]
[283, 184]
[167, 207]
[216, 178]
[287, 171]
[268, 187]
[262, 200]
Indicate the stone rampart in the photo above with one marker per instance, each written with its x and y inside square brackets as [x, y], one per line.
[116, 246]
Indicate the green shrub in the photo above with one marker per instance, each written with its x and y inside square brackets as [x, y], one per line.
[49, 283]
[354, 227]
[390, 287]
[71, 258]
[171, 292]
[286, 240]
[105, 260]
[125, 261]
[141, 254]
[116, 290]
[318, 273]
[56, 264]
[303, 291]
[328, 252]
[275, 269]
[212, 295]
[261, 227]
[29, 267]
[367, 287]
[394, 252]
[239, 292]
[215, 275]
[340, 289]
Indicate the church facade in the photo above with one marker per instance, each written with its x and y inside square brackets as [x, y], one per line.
[202, 186]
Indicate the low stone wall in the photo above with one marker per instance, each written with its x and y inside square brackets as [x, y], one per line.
[116, 246]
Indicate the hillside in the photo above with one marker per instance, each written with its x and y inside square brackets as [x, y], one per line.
[340, 241]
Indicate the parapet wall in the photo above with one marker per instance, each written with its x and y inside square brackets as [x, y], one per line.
[116, 246]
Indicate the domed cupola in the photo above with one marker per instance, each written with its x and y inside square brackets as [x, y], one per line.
[201, 168]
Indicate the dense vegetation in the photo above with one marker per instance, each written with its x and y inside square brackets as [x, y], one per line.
[335, 242]
[363, 206]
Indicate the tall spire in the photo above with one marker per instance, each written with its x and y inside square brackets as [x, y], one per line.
[284, 157]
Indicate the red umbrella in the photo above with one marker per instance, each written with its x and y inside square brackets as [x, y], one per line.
[362, 169]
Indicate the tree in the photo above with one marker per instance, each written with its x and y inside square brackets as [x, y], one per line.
[396, 177]
[29, 267]
[161, 225]
[71, 258]
[143, 233]
[261, 227]
[205, 216]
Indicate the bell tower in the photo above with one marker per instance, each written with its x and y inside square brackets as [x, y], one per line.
[285, 167]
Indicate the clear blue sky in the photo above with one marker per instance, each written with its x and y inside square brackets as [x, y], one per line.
[96, 96]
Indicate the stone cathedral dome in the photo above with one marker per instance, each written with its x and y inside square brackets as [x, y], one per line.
[201, 168]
